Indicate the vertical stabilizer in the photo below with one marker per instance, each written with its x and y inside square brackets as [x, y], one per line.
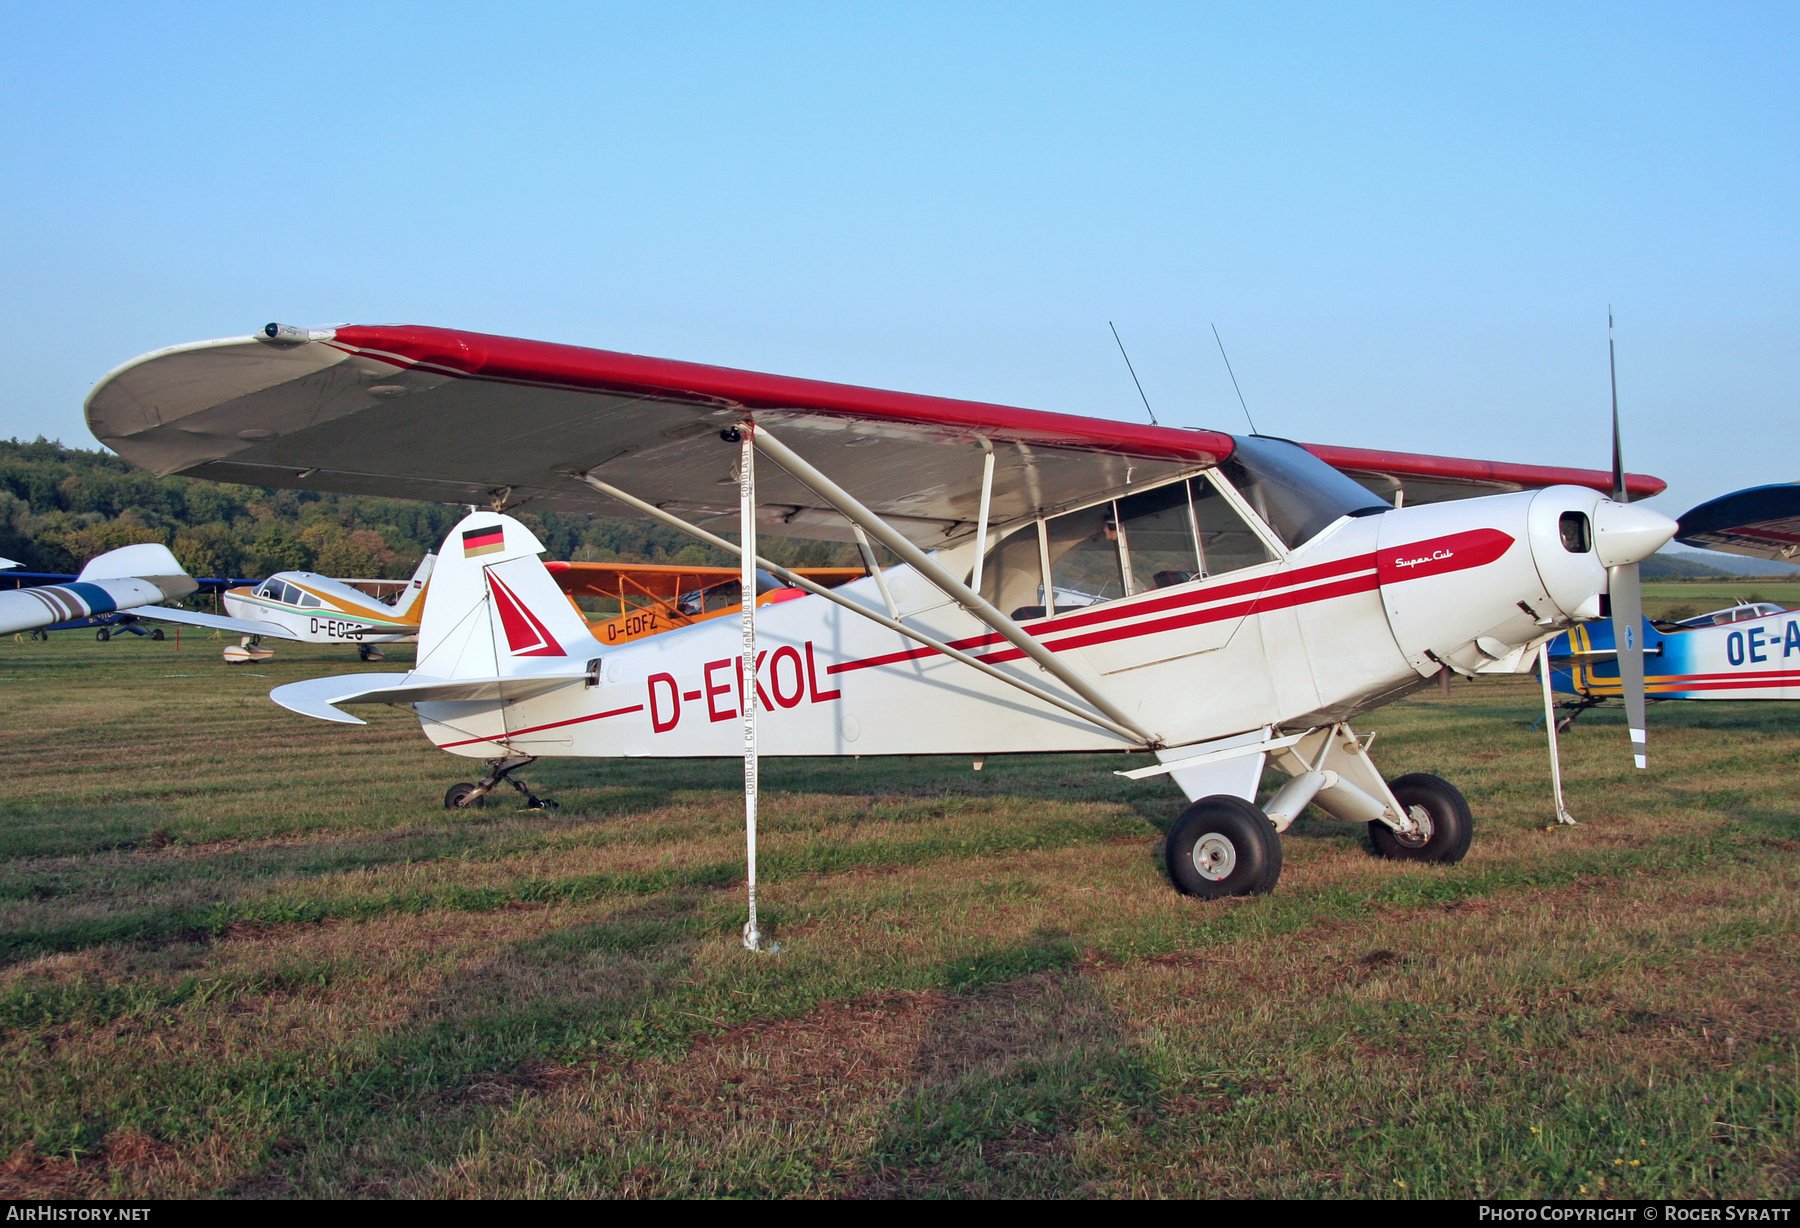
[415, 589]
[494, 610]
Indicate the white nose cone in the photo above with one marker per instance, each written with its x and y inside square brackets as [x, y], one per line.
[1625, 533]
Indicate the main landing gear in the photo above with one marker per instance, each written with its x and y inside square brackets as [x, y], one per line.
[368, 652]
[247, 650]
[464, 796]
[1225, 845]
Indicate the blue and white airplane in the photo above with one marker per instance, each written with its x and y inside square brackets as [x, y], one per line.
[122, 582]
[1747, 651]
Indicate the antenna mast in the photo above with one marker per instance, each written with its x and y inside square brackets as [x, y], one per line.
[1134, 378]
[1234, 383]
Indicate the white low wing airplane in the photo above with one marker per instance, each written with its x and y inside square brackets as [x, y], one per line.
[1067, 583]
[308, 608]
[128, 579]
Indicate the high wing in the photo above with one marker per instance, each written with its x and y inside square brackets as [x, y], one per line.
[427, 413]
[1762, 522]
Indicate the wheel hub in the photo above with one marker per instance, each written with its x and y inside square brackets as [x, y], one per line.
[1420, 835]
[1215, 857]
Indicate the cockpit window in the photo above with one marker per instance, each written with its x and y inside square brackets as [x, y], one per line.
[1159, 539]
[1227, 542]
[1012, 577]
[1295, 492]
[1084, 557]
[1154, 539]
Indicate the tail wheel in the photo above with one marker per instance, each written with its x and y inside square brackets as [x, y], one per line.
[1223, 846]
[454, 798]
[1442, 814]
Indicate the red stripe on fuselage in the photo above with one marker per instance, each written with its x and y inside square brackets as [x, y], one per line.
[500, 738]
[1393, 565]
[1115, 612]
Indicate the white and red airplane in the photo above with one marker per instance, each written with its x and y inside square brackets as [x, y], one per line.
[1066, 583]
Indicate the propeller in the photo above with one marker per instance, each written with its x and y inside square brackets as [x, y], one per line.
[1625, 594]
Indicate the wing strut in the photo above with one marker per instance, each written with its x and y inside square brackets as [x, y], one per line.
[892, 624]
[747, 670]
[951, 587]
[1543, 664]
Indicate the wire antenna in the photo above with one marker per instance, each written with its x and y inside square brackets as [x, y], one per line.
[1134, 378]
[1234, 383]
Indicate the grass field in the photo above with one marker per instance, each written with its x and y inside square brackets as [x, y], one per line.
[247, 954]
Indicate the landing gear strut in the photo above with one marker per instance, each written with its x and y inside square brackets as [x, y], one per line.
[1225, 844]
[463, 796]
[368, 652]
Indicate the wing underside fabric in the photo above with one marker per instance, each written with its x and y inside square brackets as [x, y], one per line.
[421, 413]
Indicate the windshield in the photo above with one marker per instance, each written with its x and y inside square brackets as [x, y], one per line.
[1295, 492]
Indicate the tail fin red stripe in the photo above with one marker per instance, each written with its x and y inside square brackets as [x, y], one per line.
[526, 636]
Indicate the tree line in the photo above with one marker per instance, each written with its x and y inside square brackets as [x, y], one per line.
[61, 506]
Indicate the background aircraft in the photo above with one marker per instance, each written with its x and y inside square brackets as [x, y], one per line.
[310, 609]
[123, 581]
[107, 624]
[1247, 598]
[1747, 651]
[652, 598]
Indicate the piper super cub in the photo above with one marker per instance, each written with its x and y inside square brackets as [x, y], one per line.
[1064, 584]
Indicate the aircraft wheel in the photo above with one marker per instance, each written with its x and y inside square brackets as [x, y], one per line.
[1222, 846]
[103, 635]
[368, 652]
[1443, 817]
[453, 800]
[156, 633]
[41, 634]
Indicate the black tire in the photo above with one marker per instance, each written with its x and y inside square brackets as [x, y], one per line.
[1222, 846]
[1443, 810]
[41, 634]
[156, 633]
[103, 635]
[453, 799]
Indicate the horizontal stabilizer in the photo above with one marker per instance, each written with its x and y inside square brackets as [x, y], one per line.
[317, 697]
[218, 622]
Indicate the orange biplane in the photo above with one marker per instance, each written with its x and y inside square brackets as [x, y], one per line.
[655, 597]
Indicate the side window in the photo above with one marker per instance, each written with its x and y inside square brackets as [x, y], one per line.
[1159, 539]
[1084, 558]
[1011, 579]
[309, 601]
[1226, 541]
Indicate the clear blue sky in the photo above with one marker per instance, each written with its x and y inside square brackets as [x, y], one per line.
[1406, 221]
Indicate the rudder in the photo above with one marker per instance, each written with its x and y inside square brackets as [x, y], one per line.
[494, 608]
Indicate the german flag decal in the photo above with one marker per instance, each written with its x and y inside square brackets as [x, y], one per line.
[490, 540]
